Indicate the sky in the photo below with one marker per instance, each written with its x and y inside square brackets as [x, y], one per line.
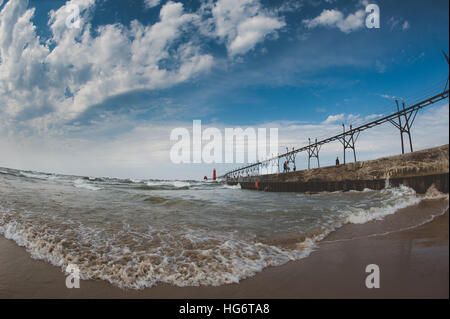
[103, 98]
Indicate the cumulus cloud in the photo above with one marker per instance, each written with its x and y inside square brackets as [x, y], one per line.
[58, 79]
[335, 18]
[241, 24]
[353, 119]
[334, 118]
[53, 80]
[151, 3]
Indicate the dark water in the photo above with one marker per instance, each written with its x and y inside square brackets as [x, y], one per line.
[137, 233]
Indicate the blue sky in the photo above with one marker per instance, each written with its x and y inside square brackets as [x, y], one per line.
[100, 99]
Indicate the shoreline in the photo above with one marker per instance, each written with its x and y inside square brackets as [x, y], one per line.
[413, 261]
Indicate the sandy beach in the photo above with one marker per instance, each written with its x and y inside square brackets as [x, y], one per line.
[413, 261]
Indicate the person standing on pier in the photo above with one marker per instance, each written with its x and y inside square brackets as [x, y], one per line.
[286, 167]
[337, 161]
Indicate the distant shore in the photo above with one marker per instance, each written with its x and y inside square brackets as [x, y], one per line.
[413, 261]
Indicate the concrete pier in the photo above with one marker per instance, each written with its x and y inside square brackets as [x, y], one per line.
[418, 170]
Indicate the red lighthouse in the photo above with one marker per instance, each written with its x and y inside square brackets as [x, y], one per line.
[214, 174]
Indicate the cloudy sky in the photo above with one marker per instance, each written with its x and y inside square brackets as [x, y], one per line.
[101, 99]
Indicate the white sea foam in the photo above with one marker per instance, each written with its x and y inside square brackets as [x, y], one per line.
[79, 183]
[426, 221]
[365, 190]
[181, 184]
[38, 175]
[399, 198]
[227, 260]
[176, 184]
[237, 186]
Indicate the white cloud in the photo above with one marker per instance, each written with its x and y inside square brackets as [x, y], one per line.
[405, 26]
[44, 82]
[389, 97]
[151, 3]
[349, 119]
[36, 76]
[334, 118]
[335, 18]
[398, 23]
[240, 23]
[393, 23]
[290, 6]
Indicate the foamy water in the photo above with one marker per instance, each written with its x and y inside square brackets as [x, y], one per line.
[137, 233]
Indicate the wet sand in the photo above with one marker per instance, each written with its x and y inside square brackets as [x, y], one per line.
[413, 261]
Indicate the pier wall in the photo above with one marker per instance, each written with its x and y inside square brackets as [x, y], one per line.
[418, 170]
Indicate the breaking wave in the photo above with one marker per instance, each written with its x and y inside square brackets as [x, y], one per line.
[138, 233]
[80, 183]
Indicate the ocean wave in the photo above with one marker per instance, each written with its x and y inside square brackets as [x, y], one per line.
[397, 198]
[414, 226]
[191, 258]
[166, 201]
[37, 175]
[94, 179]
[238, 186]
[170, 248]
[80, 183]
[176, 184]
[163, 185]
